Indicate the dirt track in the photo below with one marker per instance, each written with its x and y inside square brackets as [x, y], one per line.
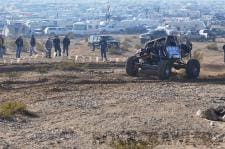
[96, 105]
[91, 106]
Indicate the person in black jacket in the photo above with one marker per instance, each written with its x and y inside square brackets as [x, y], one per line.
[103, 47]
[224, 53]
[48, 46]
[66, 44]
[1, 46]
[32, 45]
[56, 43]
[19, 46]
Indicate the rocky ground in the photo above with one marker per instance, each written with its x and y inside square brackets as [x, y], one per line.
[91, 107]
[96, 105]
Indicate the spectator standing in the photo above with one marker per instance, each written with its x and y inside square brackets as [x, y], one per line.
[93, 47]
[1, 46]
[48, 46]
[32, 45]
[224, 53]
[66, 44]
[57, 47]
[19, 46]
[103, 48]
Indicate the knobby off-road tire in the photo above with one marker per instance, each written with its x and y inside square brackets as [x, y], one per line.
[131, 67]
[165, 70]
[193, 69]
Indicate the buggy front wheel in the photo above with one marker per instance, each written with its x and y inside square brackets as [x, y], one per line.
[165, 70]
[193, 69]
[131, 66]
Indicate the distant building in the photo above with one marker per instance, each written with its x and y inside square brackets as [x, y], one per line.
[15, 29]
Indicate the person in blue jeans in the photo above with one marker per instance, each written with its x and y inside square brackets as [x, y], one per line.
[19, 46]
[32, 45]
[103, 48]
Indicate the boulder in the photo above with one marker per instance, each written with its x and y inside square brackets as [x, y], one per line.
[213, 114]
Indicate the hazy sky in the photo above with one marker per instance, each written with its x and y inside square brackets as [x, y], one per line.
[120, 0]
[112, 1]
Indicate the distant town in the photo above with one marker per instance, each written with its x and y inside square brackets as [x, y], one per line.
[44, 18]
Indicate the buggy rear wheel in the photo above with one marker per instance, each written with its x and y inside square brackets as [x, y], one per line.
[131, 66]
[193, 69]
[165, 70]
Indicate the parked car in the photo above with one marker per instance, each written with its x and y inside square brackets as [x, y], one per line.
[85, 29]
[52, 31]
[212, 34]
[38, 32]
[94, 40]
[151, 35]
[139, 29]
[112, 28]
[195, 36]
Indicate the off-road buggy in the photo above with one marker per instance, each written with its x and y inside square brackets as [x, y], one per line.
[159, 56]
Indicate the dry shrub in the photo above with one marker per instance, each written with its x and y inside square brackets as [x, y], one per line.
[115, 50]
[71, 35]
[127, 39]
[198, 55]
[9, 43]
[40, 46]
[26, 44]
[125, 46]
[78, 44]
[134, 37]
[121, 144]
[8, 109]
[212, 46]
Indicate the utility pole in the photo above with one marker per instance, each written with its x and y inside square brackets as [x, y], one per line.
[108, 11]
